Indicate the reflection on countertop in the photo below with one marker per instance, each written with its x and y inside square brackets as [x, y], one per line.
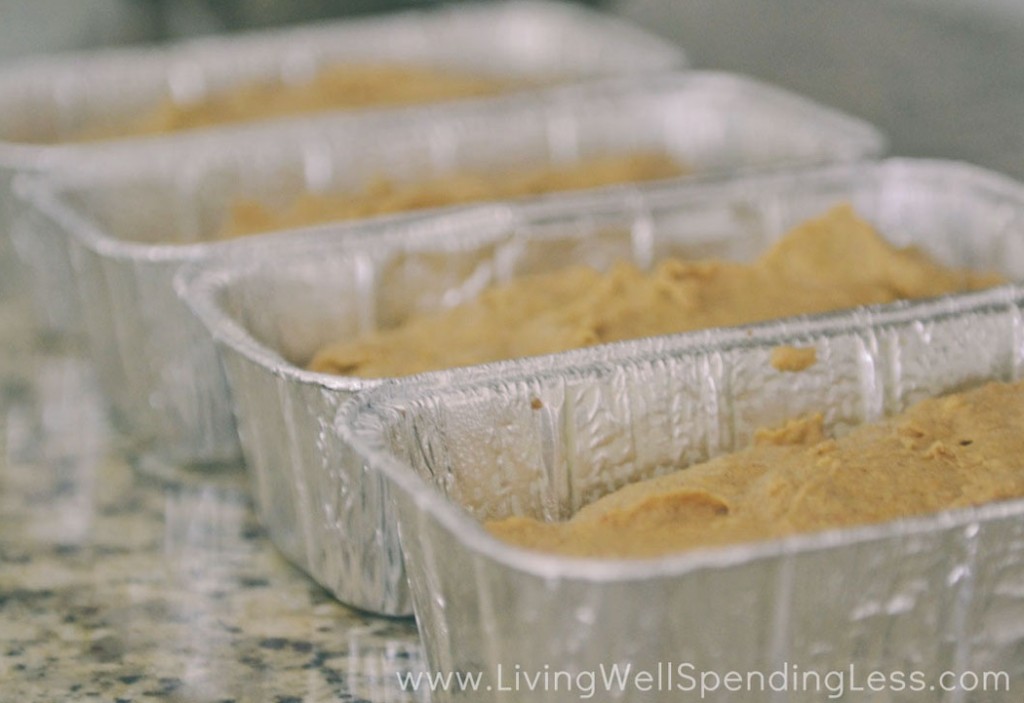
[115, 586]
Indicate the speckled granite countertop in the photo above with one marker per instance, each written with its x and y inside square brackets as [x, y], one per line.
[119, 587]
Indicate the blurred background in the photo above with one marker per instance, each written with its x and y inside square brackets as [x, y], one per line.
[33, 26]
[940, 77]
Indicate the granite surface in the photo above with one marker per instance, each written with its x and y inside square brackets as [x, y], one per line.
[115, 586]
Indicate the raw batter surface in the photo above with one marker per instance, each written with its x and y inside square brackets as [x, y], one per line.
[952, 452]
[340, 87]
[384, 196]
[830, 263]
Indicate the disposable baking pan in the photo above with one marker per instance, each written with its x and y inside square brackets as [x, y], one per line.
[45, 101]
[131, 218]
[930, 603]
[915, 598]
[271, 309]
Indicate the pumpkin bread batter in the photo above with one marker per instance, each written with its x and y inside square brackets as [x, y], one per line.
[944, 453]
[340, 87]
[383, 196]
[833, 262]
[793, 359]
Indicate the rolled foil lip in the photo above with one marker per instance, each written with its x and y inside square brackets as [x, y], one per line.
[359, 420]
[208, 61]
[845, 138]
[199, 281]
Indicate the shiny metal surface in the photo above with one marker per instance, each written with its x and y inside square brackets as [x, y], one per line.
[48, 99]
[115, 233]
[271, 309]
[542, 436]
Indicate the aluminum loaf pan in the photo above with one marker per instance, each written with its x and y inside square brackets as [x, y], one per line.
[50, 99]
[918, 597]
[271, 309]
[133, 216]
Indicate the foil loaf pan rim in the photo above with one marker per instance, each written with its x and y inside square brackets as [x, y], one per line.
[357, 415]
[858, 136]
[851, 139]
[661, 54]
[199, 279]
